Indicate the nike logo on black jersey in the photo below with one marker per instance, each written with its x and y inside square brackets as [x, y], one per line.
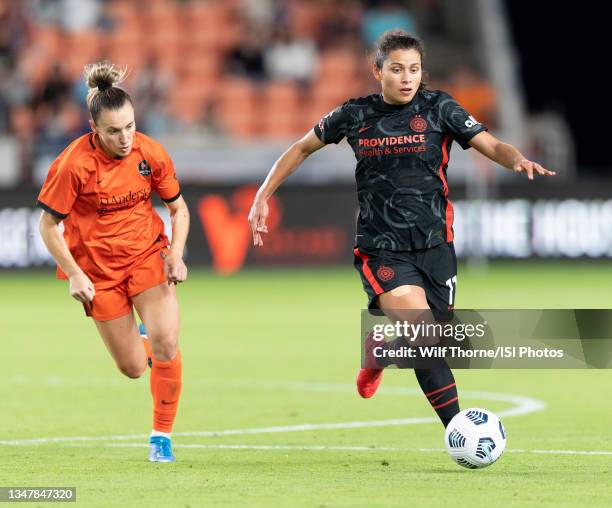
[365, 128]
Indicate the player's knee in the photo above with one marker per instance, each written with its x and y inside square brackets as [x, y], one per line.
[132, 370]
[165, 350]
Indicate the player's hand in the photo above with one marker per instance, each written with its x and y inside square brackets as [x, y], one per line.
[175, 267]
[257, 220]
[81, 288]
[531, 168]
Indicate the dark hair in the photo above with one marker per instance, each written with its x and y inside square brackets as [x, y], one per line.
[398, 39]
[101, 79]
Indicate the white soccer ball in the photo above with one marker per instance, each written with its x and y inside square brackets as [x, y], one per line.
[475, 438]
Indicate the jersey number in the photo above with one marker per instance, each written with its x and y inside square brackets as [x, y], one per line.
[452, 287]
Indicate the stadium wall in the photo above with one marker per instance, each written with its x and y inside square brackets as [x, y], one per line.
[315, 225]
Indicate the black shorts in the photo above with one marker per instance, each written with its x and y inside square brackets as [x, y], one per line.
[433, 269]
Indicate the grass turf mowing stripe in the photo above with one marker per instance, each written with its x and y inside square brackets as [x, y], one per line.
[355, 448]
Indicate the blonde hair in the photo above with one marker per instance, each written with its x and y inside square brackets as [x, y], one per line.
[102, 79]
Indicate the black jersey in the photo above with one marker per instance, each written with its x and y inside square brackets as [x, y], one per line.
[402, 153]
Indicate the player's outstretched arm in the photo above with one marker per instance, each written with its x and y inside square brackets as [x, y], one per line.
[282, 168]
[506, 155]
[175, 266]
[81, 287]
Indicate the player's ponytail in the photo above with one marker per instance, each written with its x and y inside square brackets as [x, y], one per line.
[102, 79]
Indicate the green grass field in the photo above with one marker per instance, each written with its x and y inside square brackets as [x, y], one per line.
[272, 350]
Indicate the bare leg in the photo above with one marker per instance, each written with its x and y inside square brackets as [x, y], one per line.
[158, 308]
[124, 344]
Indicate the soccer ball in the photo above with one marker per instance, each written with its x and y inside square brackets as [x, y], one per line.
[475, 438]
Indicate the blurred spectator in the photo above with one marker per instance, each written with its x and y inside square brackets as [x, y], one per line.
[15, 92]
[57, 117]
[342, 21]
[430, 14]
[4, 104]
[6, 49]
[474, 93]
[288, 58]
[106, 21]
[59, 123]
[258, 12]
[14, 30]
[384, 15]
[55, 91]
[71, 15]
[58, 120]
[247, 59]
[151, 95]
[47, 12]
[80, 15]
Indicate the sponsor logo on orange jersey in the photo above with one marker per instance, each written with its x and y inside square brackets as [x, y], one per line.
[122, 201]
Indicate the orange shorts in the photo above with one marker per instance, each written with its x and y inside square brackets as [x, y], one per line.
[115, 302]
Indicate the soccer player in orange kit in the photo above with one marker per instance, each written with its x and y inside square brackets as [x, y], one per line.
[114, 251]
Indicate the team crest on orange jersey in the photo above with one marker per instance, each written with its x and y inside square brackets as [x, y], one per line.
[418, 124]
[385, 273]
[144, 169]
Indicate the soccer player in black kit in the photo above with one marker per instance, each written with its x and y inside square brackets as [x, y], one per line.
[404, 244]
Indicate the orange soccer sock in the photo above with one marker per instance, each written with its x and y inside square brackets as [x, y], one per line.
[148, 351]
[166, 382]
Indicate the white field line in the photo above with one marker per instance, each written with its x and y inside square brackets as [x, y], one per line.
[521, 405]
[228, 432]
[335, 448]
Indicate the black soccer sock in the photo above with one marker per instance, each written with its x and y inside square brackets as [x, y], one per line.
[438, 385]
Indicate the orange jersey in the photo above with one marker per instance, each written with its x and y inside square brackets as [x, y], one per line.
[109, 221]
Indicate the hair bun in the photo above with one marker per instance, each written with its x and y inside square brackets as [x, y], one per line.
[101, 76]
